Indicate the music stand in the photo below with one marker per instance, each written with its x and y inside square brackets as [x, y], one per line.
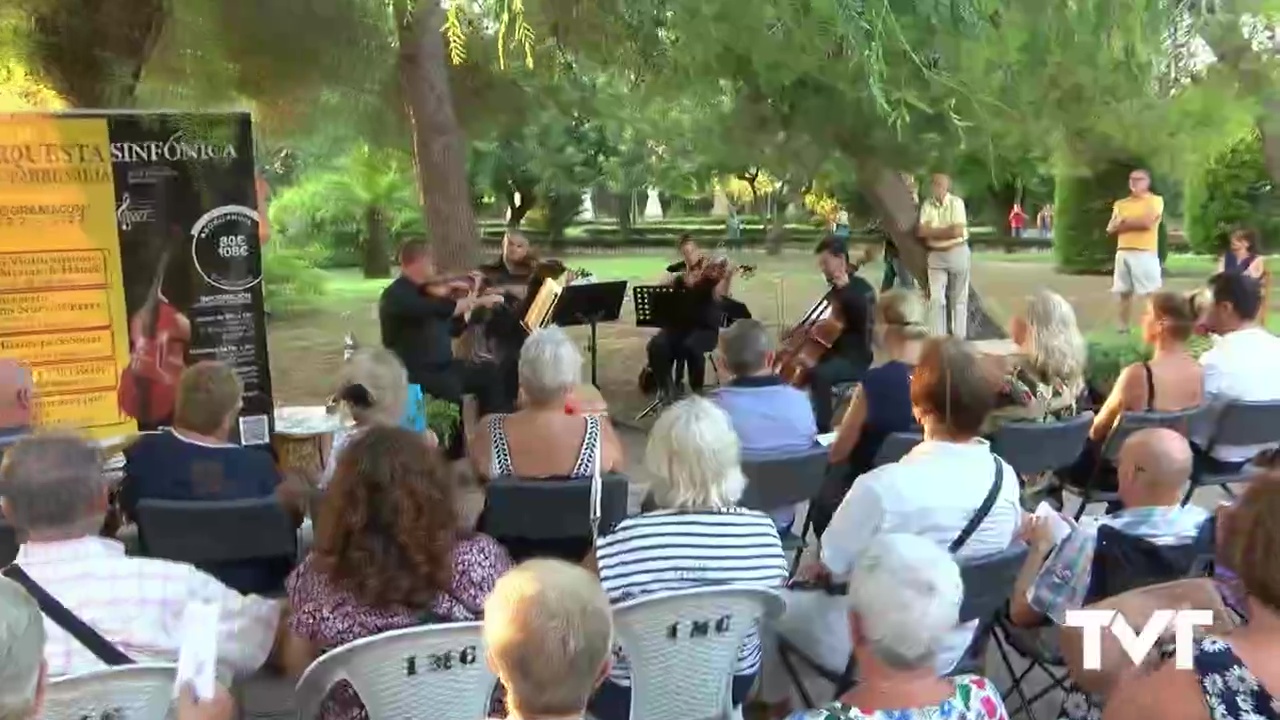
[589, 304]
[660, 306]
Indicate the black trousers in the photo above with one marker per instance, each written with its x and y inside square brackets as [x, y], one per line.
[668, 346]
[833, 370]
[450, 383]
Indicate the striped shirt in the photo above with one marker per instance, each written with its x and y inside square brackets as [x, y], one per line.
[668, 550]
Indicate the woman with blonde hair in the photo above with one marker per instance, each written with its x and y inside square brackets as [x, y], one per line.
[1047, 380]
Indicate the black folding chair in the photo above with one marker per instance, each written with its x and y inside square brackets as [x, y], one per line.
[8, 543]
[1120, 563]
[1238, 423]
[1033, 448]
[551, 513]
[896, 446]
[1180, 421]
[780, 481]
[211, 534]
[988, 582]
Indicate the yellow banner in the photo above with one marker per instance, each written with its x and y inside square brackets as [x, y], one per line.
[62, 308]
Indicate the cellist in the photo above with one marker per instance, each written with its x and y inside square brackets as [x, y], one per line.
[850, 356]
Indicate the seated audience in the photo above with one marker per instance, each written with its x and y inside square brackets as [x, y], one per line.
[696, 537]
[16, 414]
[1046, 380]
[1154, 471]
[51, 488]
[548, 633]
[938, 491]
[388, 554]
[194, 461]
[1235, 677]
[1243, 255]
[545, 438]
[881, 403]
[904, 599]
[769, 416]
[373, 389]
[1239, 366]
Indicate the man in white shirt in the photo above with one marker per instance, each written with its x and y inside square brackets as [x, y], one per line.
[944, 230]
[51, 488]
[1240, 366]
[933, 492]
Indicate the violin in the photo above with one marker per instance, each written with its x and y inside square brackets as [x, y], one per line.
[809, 341]
[716, 270]
[159, 335]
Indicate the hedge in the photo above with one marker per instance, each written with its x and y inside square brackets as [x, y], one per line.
[1083, 204]
[1233, 189]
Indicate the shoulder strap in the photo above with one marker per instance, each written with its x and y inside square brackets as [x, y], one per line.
[983, 510]
[596, 490]
[67, 620]
[1151, 386]
[589, 452]
[500, 464]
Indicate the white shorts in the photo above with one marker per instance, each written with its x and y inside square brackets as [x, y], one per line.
[1137, 272]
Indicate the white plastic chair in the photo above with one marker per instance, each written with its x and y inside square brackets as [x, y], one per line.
[682, 647]
[136, 692]
[435, 671]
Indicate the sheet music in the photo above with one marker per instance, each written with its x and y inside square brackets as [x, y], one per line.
[543, 304]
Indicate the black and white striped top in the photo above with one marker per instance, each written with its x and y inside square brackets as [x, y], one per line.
[669, 550]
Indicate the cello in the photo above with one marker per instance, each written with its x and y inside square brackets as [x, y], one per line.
[804, 346]
[159, 335]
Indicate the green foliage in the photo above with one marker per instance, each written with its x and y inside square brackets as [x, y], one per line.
[289, 278]
[1109, 353]
[443, 418]
[1232, 190]
[1083, 206]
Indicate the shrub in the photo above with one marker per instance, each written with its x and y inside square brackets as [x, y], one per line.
[1232, 189]
[289, 278]
[1083, 203]
[1109, 353]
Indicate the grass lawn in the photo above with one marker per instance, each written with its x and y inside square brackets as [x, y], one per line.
[306, 345]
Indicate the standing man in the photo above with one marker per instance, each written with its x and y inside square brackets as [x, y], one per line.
[1017, 220]
[944, 229]
[1135, 221]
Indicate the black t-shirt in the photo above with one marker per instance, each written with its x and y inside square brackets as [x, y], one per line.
[703, 310]
[856, 301]
[418, 328]
[503, 323]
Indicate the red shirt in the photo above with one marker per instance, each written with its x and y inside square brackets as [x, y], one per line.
[1016, 217]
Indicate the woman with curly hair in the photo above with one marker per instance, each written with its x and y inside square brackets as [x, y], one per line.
[388, 555]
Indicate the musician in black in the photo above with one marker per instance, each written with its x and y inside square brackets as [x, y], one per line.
[696, 331]
[851, 354]
[513, 272]
[419, 321]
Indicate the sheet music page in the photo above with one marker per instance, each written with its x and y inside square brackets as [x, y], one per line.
[543, 304]
[1059, 526]
[825, 439]
[198, 653]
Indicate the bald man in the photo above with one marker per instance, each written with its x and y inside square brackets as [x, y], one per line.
[1154, 468]
[16, 391]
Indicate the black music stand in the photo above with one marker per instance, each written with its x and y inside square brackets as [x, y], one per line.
[589, 304]
[660, 306]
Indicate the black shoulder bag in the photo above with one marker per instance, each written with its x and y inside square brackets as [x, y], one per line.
[67, 620]
[983, 510]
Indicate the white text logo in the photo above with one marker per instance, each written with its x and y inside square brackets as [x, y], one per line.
[1137, 645]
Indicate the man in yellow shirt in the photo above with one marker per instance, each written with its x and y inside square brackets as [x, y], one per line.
[944, 230]
[1135, 221]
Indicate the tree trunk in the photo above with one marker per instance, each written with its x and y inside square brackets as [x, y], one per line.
[92, 52]
[377, 261]
[624, 215]
[891, 197]
[439, 148]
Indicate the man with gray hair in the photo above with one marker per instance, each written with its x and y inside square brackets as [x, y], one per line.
[53, 492]
[769, 416]
[548, 630]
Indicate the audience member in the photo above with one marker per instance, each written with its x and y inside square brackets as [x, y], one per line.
[1154, 471]
[1235, 677]
[388, 554]
[1240, 366]
[51, 487]
[16, 390]
[769, 416]
[1243, 255]
[696, 537]
[951, 489]
[548, 633]
[1047, 377]
[881, 403]
[194, 461]
[544, 438]
[904, 599]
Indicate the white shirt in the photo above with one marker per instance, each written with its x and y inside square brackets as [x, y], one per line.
[137, 605]
[932, 492]
[1240, 366]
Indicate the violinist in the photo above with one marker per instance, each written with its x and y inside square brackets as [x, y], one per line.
[419, 319]
[691, 256]
[512, 274]
[850, 356]
[698, 329]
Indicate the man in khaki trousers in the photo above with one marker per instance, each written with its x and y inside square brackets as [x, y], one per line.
[944, 230]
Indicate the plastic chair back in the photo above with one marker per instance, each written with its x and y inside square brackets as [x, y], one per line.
[552, 508]
[1180, 421]
[1032, 448]
[896, 446]
[434, 671]
[211, 531]
[776, 481]
[132, 692]
[682, 647]
[1247, 423]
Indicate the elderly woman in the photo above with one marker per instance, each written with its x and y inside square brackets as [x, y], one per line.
[388, 555]
[1047, 378]
[546, 437]
[697, 537]
[904, 598]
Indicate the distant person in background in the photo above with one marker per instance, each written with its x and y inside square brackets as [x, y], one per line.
[1044, 220]
[944, 230]
[1244, 257]
[1017, 220]
[17, 392]
[1135, 221]
[840, 228]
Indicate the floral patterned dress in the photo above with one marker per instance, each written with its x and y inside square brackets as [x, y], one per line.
[975, 698]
